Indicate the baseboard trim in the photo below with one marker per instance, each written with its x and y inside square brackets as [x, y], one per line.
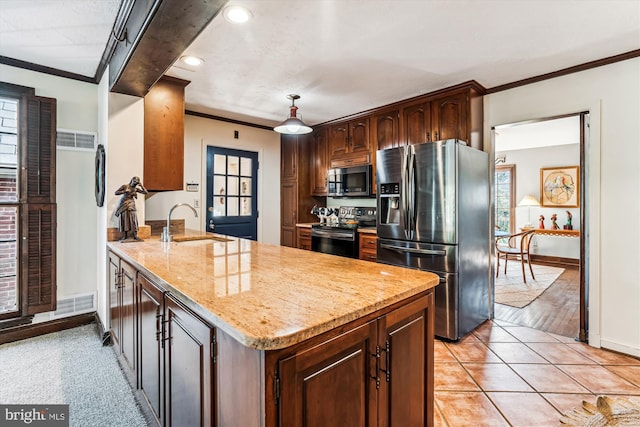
[620, 348]
[555, 261]
[22, 332]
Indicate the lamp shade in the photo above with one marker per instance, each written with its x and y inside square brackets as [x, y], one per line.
[293, 125]
[529, 201]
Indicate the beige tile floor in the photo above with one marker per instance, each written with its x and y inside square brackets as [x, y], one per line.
[508, 375]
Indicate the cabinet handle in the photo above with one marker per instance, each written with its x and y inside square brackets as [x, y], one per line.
[165, 334]
[376, 356]
[387, 357]
[158, 326]
[428, 137]
[436, 136]
[372, 257]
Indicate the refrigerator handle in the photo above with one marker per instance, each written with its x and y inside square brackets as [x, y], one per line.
[413, 250]
[405, 192]
[412, 192]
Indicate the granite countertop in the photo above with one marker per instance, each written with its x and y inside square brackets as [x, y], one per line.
[267, 296]
[306, 224]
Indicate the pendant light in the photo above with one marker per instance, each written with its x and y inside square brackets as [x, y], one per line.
[293, 125]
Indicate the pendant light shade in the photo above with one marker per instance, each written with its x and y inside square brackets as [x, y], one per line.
[293, 125]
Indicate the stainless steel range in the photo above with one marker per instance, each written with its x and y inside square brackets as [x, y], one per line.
[341, 238]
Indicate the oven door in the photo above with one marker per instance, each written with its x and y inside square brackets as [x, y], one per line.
[335, 242]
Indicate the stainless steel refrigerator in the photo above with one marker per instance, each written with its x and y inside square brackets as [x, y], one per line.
[433, 214]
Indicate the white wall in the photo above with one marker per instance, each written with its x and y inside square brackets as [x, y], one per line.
[527, 179]
[77, 109]
[612, 96]
[200, 133]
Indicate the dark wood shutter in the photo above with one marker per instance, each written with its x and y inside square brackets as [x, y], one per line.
[39, 207]
[39, 257]
[39, 156]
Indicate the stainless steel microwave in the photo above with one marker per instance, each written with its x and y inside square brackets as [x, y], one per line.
[353, 181]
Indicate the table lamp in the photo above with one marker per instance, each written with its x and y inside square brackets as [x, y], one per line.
[529, 201]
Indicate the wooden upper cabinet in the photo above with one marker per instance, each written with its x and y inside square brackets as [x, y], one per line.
[416, 120]
[449, 117]
[319, 163]
[339, 139]
[359, 136]
[386, 130]
[349, 137]
[164, 135]
[289, 159]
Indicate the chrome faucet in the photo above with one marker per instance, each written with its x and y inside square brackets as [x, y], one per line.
[166, 234]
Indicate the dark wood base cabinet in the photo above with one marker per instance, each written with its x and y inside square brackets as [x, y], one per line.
[122, 296]
[176, 359]
[374, 371]
[331, 384]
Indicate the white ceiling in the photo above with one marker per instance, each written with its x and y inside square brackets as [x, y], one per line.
[341, 56]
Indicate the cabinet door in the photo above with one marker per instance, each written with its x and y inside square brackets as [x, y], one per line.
[288, 203]
[319, 163]
[387, 128]
[406, 340]
[164, 135]
[338, 139]
[128, 339]
[115, 304]
[150, 345]
[449, 116]
[417, 123]
[289, 156]
[189, 368]
[359, 141]
[331, 384]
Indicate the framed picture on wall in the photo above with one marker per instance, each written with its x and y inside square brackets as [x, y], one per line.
[560, 187]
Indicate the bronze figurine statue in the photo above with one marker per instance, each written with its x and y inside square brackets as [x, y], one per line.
[126, 210]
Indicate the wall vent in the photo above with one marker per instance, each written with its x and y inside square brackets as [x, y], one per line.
[76, 140]
[76, 304]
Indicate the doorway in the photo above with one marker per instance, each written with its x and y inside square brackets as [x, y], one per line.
[232, 192]
[533, 149]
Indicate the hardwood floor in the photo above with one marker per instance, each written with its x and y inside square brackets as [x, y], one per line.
[557, 310]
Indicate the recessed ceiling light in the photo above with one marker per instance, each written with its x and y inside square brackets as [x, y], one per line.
[237, 14]
[192, 60]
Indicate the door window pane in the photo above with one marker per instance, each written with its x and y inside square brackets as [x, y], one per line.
[233, 190]
[232, 206]
[245, 166]
[219, 206]
[234, 165]
[219, 186]
[245, 186]
[220, 164]
[245, 206]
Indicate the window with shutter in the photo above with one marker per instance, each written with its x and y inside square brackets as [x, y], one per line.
[27, 202]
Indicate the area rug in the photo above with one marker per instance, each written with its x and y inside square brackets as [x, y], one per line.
[511, 290]
[606, 412]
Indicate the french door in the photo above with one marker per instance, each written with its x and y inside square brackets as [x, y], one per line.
[232, 192]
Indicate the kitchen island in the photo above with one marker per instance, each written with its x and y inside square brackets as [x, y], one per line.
[234, 332]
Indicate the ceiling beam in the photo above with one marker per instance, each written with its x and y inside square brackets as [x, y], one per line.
[154, 36]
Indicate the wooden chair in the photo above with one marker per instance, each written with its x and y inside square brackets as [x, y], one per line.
[517, 248]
